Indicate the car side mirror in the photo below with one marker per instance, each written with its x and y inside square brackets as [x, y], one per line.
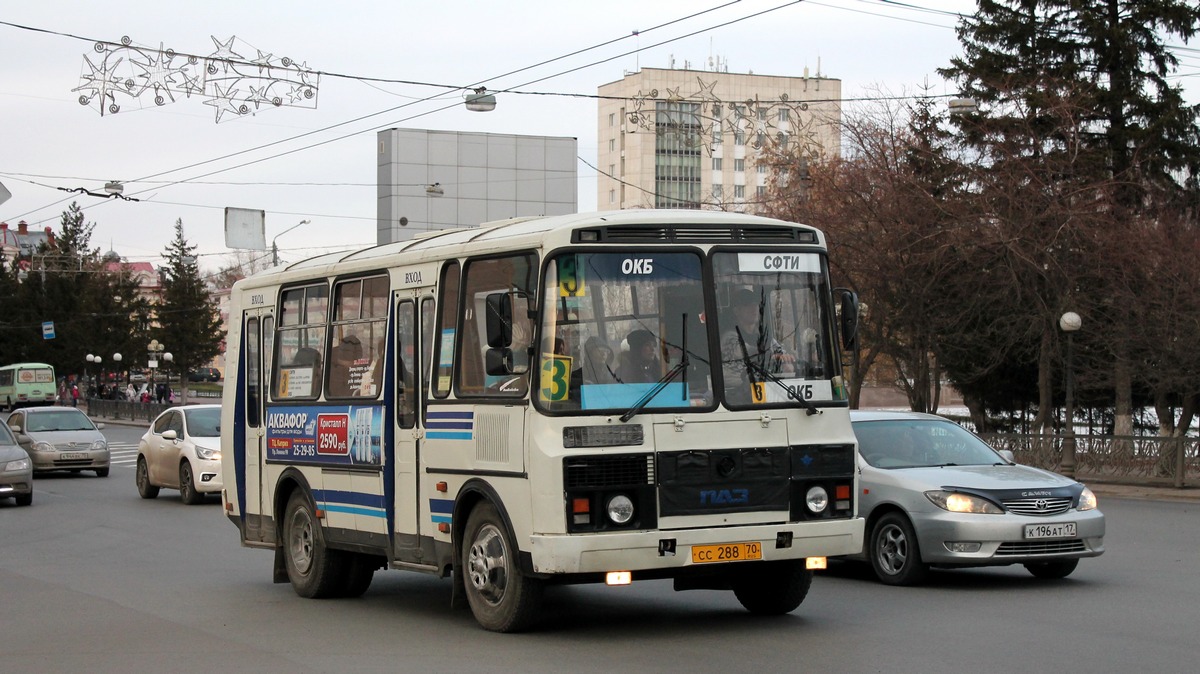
[15, 429]
[100, 426]
[1008, 455]
[170, 435]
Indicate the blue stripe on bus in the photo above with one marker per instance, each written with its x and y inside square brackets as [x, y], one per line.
[441, 518]
[354, 511]
[434, 435]
[354, 498]
[441, 505]
[450, 424]
[432, 414]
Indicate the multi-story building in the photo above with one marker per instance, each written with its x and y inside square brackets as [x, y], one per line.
[704, 139]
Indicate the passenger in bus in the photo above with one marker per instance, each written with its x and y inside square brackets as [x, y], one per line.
[597, 362]
[640, 365]
[342, 379]
[750, 339]
[307, 361]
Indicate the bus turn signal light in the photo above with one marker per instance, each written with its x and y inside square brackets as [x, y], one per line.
[814, 563]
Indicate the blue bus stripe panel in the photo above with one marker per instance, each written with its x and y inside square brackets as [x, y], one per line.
[351, 498]
[441, 510]
[450, 425]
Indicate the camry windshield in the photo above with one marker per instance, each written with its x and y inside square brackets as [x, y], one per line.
[773, 318]
[916, 443]
[614, 328]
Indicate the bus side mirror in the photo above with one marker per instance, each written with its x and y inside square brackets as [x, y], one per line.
[499, 322]
[499, 361]
[849, 311]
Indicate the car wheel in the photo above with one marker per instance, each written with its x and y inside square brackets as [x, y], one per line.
[187, 485]
[1052, 570]
[773, 588]
[25, 499]
[314, 570]
[500, 596]
[142, 477]
[102, 472]
[894, 553]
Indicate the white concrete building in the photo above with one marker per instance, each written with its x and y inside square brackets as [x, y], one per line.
[431, 180]
[699, 139]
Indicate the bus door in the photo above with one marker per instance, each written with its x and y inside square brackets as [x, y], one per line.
[259, 328]
[409, 372]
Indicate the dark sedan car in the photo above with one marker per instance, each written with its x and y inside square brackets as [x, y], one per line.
[934, 494]
[205, 374]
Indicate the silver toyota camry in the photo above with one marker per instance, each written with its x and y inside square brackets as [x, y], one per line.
[934, 494]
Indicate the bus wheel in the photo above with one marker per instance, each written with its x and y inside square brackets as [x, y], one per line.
[315, 570]
[772, 588]
[502, 599]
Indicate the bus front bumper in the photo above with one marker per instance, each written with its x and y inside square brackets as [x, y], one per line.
[672, 549]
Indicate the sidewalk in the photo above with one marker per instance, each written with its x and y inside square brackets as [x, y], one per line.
[1139, 492]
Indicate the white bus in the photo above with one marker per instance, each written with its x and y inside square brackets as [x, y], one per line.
[602, 397]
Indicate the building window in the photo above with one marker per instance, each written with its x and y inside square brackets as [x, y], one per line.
[612, 145]
[716, 163]
[612, 119]
[761, 168]
[718, 191]
[739, 191]
[762, 114]
[612, 196]
[761, 191]
[739, 137]
[612, 170]
[760, 139]
[784, 114]
[739, 164]
[677, 155]
[716, 111]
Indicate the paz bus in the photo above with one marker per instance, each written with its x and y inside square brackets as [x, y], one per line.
[602, 398]
[27, 384]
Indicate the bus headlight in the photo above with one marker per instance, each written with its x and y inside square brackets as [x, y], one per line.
[817, 499]
[620, 509]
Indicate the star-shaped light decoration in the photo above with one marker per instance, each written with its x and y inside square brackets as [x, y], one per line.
[263, 62]
[224, 50]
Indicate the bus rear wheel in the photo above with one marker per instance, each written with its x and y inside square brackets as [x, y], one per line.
[501, 597]
[314, 570]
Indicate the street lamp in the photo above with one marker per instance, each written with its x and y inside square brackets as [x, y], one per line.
[275, 249]
[479, 100]
[117, 360]
[1069, 323]
[153, 352]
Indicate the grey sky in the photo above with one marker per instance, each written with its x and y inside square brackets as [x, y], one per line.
[328, 176]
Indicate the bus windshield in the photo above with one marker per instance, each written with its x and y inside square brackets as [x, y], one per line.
[773, 318]
[614, 327]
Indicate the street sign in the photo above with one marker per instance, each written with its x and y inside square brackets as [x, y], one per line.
[48, 330]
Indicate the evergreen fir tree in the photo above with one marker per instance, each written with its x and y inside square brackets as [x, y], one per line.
[188, 324]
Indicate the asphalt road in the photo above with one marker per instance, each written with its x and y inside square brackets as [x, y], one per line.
[93, 578]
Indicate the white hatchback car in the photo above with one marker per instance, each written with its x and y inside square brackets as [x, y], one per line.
[182, 450]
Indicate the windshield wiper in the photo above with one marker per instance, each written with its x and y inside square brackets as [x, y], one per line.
[761, 371]
[666, 379]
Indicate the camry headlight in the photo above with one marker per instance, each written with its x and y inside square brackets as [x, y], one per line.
[208, 454]
[962, 503]
[16, 466]
[43, 446]
[1087, 500]
[99, 445]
